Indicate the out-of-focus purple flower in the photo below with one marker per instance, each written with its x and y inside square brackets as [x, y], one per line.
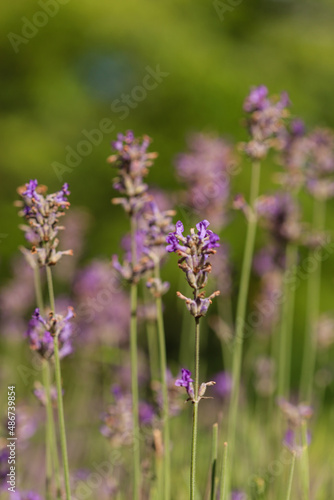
[238, 495]
[117, 420]
[265, 121]
[146, 413]
[293, 442]
[295, 414]
[132, 162]
[280, 214]
[194, 251]
[102, 307]
[206, 170]
[42, 212]
[223, 384]
[41, 333]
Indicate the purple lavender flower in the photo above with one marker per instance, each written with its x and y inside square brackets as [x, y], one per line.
[293, 442]
[186, 381]
[42, 212]
[132, 161]
[41, 333]
[238, 495]
[265, 121]
[208, 188]
[40, 393]
[194, 251]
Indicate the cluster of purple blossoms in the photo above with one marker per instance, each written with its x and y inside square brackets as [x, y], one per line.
[25, 495]
[194, 251]
[206, 170]
[42, 212]
[41, 333]
[132, 161]
[40, 393]
[265, 122]
[187, 382]
[295, 415]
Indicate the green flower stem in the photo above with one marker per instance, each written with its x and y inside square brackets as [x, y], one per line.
[305, 464]
[195, 414]
[51, 441]
[313, 308]
[285, 336]
[134, 369]
[222, 492]
[240, 317]
[165, 406]
[48, 439]
[61, 417]
[51, 431]
[214, 460]
[292, 468]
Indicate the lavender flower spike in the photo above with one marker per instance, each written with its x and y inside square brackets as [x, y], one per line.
[186, 381]
[42, 212]
[194, 251]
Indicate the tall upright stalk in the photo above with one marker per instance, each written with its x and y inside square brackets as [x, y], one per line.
[240, 317]
[134, 369]
[52, 462]
[214, 461]
[313, 308]
[222, 487]
[195, 414]
[285, 338]
[165, 406]
[292, 468]
[62, 430]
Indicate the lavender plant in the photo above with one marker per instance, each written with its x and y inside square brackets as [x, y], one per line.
[194, 251]
[52, 337]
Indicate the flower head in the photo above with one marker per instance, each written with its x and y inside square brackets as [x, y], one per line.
[132, 162]
[41, 333]
[194, 251]
[208, 189]
[42, 212]
[265, 121]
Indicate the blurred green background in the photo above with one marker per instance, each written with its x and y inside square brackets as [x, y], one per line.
[63, 78]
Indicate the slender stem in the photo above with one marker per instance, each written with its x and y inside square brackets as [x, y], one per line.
[134, 369]
[48, 479]
[38, 289]
[313, 307]
[305, 464]
[165, 406]
[241, 313]
[61, 417]
[51, 426]
[222, 492]
[195, 414]
[214, 460]
[292, 468]
[284, 354]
